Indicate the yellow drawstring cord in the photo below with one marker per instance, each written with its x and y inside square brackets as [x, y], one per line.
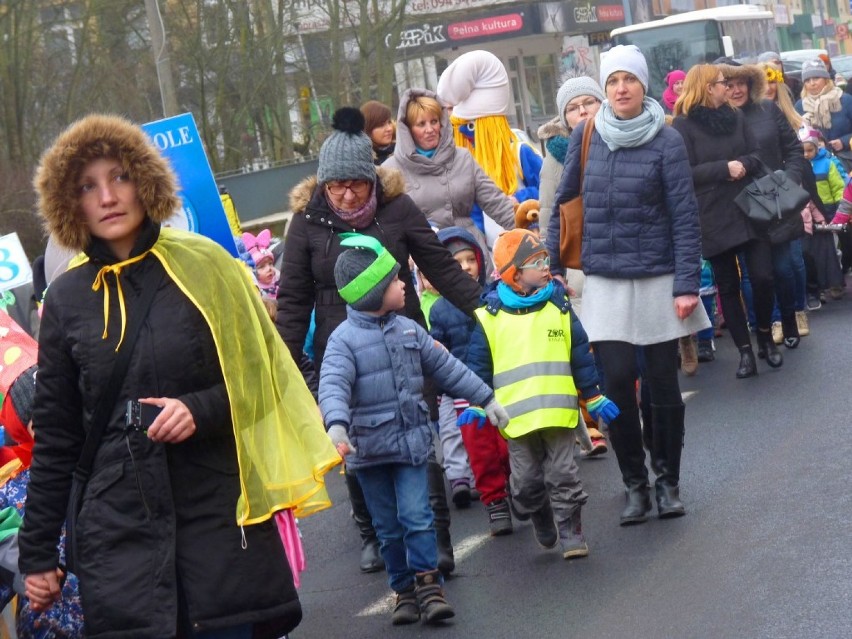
[100, 280]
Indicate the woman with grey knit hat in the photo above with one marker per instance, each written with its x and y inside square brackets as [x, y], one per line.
[641, 256]
[349, 193]
[577, 100]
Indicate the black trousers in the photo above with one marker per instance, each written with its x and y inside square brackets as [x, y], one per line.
[758, 259]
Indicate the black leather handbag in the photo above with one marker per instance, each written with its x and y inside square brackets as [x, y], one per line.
[774, 204]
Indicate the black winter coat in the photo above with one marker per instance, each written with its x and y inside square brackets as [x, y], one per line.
[312, 247]
[713, 138]
[158, 520]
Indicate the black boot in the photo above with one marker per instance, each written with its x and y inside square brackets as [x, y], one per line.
[668, 443]
[371, 560]
[626, 438]
[767, 345]
[748, 365]
[705, 350]
[438, 501]
[791, 331]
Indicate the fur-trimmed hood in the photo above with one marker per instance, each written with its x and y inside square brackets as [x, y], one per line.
[391, 180]
[753, 74]
[91, 138]
[551, 129]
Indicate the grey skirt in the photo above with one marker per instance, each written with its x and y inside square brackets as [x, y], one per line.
[639, 311]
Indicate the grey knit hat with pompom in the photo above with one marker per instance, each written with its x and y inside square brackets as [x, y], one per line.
[347, 154]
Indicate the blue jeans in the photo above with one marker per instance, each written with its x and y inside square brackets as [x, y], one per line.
[397, 496]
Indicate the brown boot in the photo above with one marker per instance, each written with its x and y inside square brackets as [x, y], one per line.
[688, 356]
[406, 610]
[430, 595]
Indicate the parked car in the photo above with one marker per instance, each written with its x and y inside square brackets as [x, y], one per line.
[793, 60]
[843, 65]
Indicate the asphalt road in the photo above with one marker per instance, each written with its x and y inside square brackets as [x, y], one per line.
[762, 552]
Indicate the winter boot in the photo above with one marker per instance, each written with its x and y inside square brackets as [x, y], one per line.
[668, 442]
[748, 365]
[791, 331]
[625, 435]
[461, 493]
[438, 501]
[406, 610]
[705, 350]
[430, 596]
[766, 347]
[499, 518]
[371, 560]
[571, 538]
[544, 527]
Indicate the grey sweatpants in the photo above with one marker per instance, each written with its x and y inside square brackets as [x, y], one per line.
[456, 465]
[543, 467]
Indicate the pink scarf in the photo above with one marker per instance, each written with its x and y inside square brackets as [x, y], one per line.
[669, 96]
[360, 218]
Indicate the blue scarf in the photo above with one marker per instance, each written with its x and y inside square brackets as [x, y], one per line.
[633, 132]
[426, 153]
[511, 298]
[557, 146]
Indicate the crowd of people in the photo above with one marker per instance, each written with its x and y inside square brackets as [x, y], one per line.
[419, 322]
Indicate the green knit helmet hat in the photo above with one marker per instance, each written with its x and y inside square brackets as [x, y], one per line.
[364, 271]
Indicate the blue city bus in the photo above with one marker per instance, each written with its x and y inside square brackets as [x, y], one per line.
[680, 41]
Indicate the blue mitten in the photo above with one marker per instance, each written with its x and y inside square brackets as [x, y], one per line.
[601, 407]
[472, 415]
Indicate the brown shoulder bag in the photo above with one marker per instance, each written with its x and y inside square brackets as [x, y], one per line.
[571, 212]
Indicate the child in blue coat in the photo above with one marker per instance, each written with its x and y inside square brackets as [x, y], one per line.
[371, 398]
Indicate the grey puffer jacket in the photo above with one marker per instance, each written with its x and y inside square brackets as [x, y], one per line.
[371, 382]
[447, 185]
[640, 212]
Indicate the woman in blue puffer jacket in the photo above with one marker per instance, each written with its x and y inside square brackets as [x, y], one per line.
[641, 256]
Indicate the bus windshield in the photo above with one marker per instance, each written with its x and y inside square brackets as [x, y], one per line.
[676, 46]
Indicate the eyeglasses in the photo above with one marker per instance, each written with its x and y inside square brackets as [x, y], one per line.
[539, 265]
[358, 187]
[587, 104]
[715, 82]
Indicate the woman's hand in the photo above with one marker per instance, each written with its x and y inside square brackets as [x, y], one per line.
[736, 170]
[174, 424]
[43, 589]
[684, 305]
[836, 145]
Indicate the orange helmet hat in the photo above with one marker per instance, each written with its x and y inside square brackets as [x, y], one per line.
[512, 249]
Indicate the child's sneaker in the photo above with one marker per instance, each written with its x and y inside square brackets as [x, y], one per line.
[461, 493]
[545, 529]
[499, 518]
[813, 302]
[571, 538]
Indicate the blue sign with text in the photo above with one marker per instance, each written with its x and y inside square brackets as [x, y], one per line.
[178, 140]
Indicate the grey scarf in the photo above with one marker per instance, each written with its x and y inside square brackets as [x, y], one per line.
[630, 133]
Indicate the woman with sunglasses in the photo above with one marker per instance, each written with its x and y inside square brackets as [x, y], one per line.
[349, 194]
[723, 154]
[641, 257]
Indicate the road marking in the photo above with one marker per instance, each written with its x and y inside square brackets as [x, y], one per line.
[461, 551]
[688, 395]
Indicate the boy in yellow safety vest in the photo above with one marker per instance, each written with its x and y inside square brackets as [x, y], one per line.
[530, 346]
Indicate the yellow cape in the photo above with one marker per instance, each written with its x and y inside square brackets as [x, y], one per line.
[282, 447]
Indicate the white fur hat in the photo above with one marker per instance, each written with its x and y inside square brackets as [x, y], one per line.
[476, 85]
[624, 57]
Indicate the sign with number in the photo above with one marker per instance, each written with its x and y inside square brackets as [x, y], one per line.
[202, 212]
[14, 266]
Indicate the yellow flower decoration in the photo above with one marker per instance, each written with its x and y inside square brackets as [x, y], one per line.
[774, 75]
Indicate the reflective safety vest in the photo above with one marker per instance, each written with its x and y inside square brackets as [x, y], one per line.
[531, 354]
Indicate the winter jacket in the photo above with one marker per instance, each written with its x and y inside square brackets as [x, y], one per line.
[714, 137]
[156, 519]
[841, 122]
[447, 185]
[312, 247]
[449, 325]
[371, 382]
[582, 362]
[551, 134]
[640, 214]
[829, 183]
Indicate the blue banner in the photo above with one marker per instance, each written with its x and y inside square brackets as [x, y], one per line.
[202, 212]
